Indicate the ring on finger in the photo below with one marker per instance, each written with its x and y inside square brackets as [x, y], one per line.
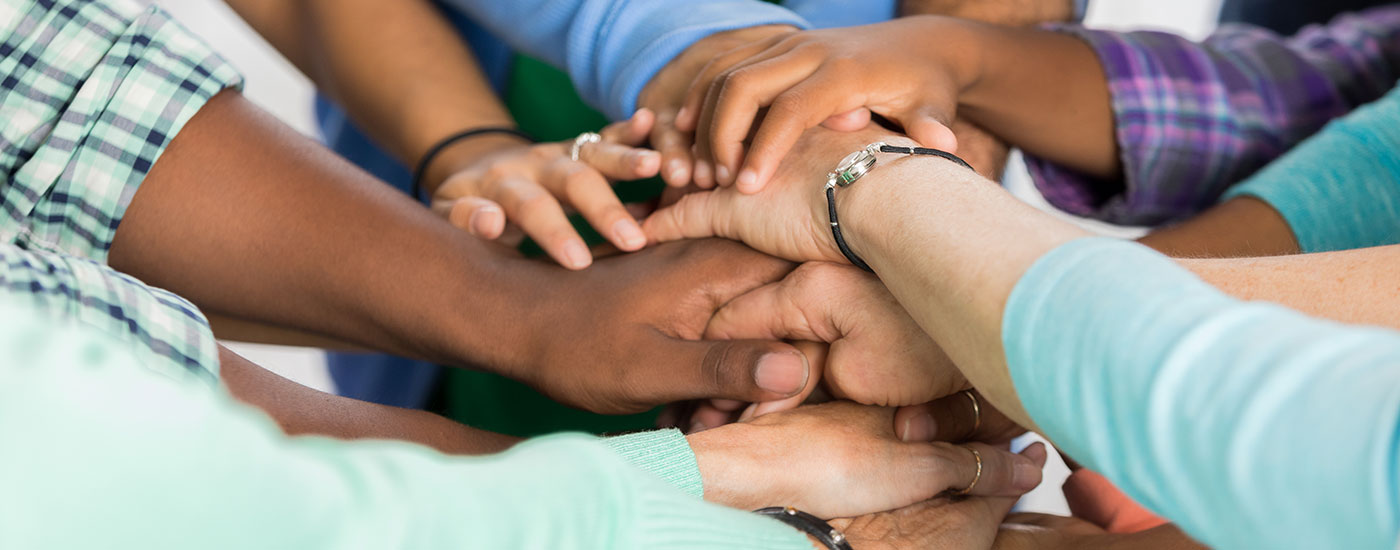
[583, 139]
[976, 410]
[976, 477]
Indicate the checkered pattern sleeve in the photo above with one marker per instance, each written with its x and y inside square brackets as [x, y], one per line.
[1192, 119]
[91, 94]
[166, 332]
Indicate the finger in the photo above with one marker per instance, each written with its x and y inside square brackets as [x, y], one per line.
[621, 162]
[765, 312]
[706, 417]
[951, 418]
[688, 118]
[744, 370]
[732, 108]
[633, 131]
[674, 146]
[928, 129]
[541, 217]
[849, 121]
[1002, 473]
[478, 216]
[790, 114]
[816, 361]
[593, 196]
[695, 216]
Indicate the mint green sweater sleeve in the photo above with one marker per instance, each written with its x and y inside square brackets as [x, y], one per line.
[1340, 189]
[1248, 424]
[101, 453]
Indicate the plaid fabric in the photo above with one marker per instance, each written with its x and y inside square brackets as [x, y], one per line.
[91, 93]
[166, 332]
[1194, 118]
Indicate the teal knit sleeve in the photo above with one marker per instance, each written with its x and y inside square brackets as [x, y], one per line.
[1340, 189]
[1247, 424]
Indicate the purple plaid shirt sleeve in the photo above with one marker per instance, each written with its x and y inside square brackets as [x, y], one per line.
[1192, 119]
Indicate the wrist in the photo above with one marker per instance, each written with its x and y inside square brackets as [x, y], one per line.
[464, 154]
[724, 459]
[869, 210]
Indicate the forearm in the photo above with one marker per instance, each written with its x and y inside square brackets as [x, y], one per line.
[931, 248]
[398, 68]
[301, 239]
[238, 330]
[1002, 12]
[300, 410]
[1239, 227]
[1041, 91]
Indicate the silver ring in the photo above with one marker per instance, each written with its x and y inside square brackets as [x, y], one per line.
[583, 139]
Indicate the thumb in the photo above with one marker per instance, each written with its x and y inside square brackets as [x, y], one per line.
[849, 121]
[744, 370]
[694, 216]
[481, 217]
[929, 130]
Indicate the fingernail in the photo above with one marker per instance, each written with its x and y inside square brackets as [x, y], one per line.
[702, 172]
[629, 234]
[1025, 475]
[683, 114]
[644, 161]
[920, 427]
[722, 174]
[781, 373]
[576, 255]
[748, 180]
[481, 221]
[696, 427]
[676, 171]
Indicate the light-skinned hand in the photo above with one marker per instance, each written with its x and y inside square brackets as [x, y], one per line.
[841, 459]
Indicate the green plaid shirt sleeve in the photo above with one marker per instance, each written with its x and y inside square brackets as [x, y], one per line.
[166, 332]
[91, 93]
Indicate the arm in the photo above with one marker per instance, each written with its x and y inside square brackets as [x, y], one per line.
[156, 438]
[405, 76]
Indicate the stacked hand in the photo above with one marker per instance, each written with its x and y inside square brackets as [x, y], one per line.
[909, 71]
[842, 460]
[530, 186]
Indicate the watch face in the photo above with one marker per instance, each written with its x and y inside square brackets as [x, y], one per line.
[849, 161]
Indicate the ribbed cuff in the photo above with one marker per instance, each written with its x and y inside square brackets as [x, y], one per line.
[664, 453]
[664, 522]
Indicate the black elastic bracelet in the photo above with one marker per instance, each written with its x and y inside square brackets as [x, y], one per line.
[831, 195]
[419, 172]
[807, 523]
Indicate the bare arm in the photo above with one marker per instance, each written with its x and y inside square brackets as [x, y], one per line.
[300, 410]
[398, 68]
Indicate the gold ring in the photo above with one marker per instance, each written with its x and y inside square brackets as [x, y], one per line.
[583, 139]
[975, 477]
[976, 410]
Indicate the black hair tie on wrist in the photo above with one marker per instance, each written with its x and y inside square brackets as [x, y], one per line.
[420, 171]
[812, 525]
[842, 178]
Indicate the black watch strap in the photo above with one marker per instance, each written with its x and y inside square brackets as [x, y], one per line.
[831, 199]
[812, 525]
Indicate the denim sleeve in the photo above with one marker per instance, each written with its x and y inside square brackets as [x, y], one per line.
[1249, 425]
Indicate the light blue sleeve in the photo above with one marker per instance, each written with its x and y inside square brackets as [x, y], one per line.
[1340, 189]
[1248, 424]
[612, 48]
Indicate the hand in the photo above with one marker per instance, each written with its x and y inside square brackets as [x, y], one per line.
[622, 337]
[788, 218]
[665, 94]
[841, 459]
[909, 71]
[953, 418]
[941, 524]
[529, 185]
[878, 354]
